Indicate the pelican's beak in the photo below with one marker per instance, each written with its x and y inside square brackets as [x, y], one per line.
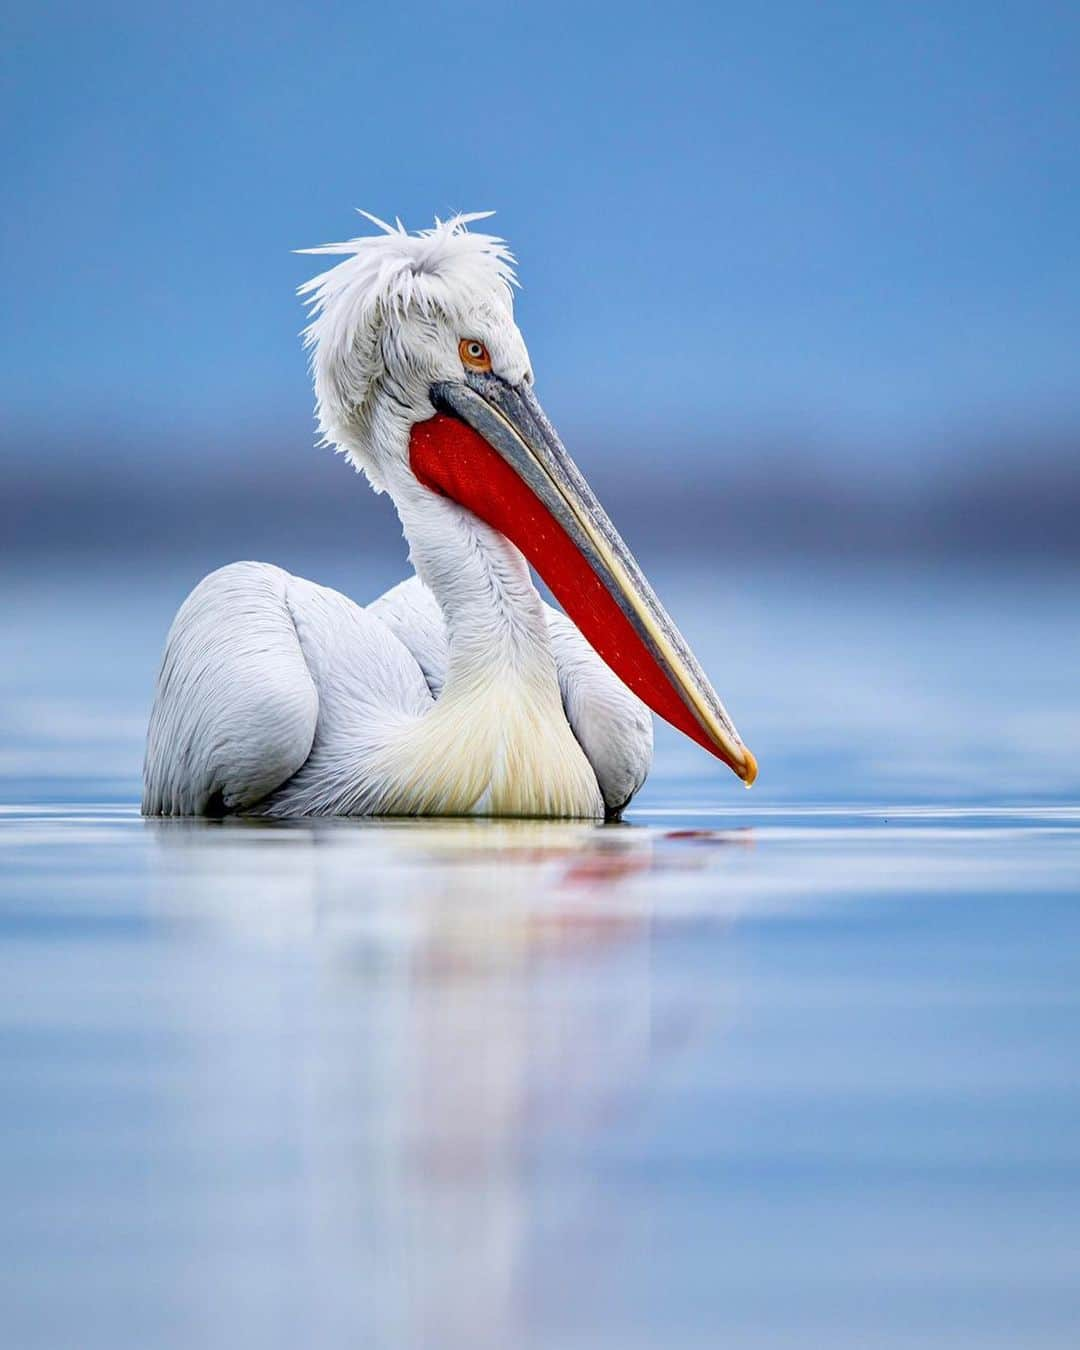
[491, 448]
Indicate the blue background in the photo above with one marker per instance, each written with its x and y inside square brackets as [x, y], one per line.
[780, 250]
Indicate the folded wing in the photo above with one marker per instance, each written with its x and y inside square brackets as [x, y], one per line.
[235, 708]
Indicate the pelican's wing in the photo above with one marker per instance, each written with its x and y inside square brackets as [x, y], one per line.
[611, 724]
[413, 615]
[235, 707]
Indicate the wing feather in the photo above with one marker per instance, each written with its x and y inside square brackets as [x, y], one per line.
[413, 615]
[235, 708]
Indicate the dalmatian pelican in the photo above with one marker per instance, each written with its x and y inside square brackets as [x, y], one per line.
[459, 691]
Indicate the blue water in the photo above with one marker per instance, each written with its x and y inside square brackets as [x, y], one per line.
[797, 1066]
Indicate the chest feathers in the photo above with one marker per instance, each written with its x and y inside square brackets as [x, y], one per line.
[497, 743]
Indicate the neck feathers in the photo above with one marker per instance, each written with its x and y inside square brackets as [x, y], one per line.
[497, 741]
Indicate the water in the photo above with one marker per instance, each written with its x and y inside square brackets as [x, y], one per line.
[789, 1067]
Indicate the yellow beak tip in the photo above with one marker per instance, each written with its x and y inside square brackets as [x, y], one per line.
[749, 769]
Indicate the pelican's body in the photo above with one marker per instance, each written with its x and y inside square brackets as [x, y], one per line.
[292, 700]
[459, 691]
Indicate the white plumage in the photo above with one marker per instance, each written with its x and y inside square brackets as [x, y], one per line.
[386, 320]
[459, 691]
[288, 699]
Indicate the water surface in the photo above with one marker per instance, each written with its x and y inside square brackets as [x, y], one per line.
[789, 1067]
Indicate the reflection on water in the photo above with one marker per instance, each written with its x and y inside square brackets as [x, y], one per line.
[803, 1079]
[379, 1027]
[457, 894]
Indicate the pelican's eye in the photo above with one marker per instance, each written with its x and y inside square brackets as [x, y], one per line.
[474, 355]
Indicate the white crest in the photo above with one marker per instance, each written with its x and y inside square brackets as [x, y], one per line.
[441, 272]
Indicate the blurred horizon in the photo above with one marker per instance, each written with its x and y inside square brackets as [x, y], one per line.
[1010, 500]
[794, 280]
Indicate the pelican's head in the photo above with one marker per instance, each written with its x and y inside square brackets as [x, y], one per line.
[422, 378]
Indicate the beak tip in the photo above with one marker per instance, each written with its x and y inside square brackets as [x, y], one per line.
[749, 770]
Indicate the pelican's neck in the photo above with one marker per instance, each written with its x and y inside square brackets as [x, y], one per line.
[497, 741]
[495, 621]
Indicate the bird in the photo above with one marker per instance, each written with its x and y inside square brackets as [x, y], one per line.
[460, 691]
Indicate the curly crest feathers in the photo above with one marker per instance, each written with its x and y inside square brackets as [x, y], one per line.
[443, 270]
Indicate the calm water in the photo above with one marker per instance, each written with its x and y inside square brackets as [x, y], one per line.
[790, 1067]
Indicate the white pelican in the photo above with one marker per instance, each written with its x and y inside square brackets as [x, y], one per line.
[459, 692]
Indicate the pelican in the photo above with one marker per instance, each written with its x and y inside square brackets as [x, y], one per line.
[460, 691]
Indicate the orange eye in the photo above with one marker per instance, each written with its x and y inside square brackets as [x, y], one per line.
[474, 354]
